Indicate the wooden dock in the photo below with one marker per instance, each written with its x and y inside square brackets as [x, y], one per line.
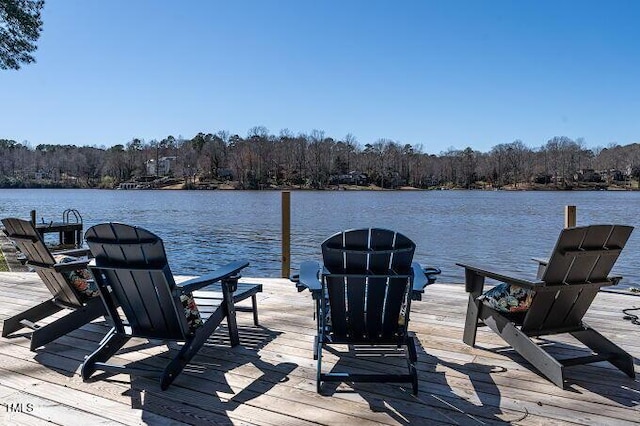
[270, 378]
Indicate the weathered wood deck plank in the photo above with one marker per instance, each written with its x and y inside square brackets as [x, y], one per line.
[270, 378]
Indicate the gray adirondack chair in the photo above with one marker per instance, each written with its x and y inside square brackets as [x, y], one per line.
[363, 295]
[55, 275]
[132, 272]
[565, 286]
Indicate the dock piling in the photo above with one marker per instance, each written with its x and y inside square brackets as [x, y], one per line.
[286, 234]
[570, 216]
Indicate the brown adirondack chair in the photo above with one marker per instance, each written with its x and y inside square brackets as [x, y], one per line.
[143, 300]
[363, 296]
[67, 288]
[560, 296]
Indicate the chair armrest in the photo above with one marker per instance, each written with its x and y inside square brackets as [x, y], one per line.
[422, 277]
[71, 266]
[310, 277]
[614, 280]
[431, 273]
[501, 276]
[74, 252]
[219, 274]
[540, 261]
[542, 266]
[419, 278]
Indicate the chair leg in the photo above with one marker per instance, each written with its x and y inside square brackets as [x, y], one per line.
[315, 348]
[411, 349]
[38, 312]
[66, 324]
[178, 363]
[471, 321]
[601, 345]
[110, 344]
[254, 303]
[230, 311]
[414, 379]
[411, 361]
[190, 348]
[521, 343]
[474, 284]
[318, 356]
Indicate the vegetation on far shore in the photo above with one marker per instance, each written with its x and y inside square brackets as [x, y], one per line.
[304, 161]
[315, 161]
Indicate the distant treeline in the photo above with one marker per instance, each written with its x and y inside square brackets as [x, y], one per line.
[262, 160]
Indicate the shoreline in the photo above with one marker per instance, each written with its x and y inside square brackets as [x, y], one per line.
[373, 188]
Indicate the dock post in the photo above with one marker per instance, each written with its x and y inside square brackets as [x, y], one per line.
[570, 216]
[286, 234]
[33, 217]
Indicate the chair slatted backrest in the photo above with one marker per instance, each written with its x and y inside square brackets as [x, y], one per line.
[368, 282]
[132, 271]
[32, 246]
[583, 255]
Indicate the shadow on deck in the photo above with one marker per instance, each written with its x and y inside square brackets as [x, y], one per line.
[270, 377]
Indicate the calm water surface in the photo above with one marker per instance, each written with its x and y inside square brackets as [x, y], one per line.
[204, 229]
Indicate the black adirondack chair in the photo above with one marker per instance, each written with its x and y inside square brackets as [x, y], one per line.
[363, 297]
[565, 286]
[132, 272]
[59, 278]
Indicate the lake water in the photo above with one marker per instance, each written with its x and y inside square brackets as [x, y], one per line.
[204, 229]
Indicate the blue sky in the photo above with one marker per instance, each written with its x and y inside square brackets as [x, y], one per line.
[440, 74]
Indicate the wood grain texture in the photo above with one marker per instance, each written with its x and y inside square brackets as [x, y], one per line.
[270, 378]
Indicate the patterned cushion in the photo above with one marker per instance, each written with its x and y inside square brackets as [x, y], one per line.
[508, 298]
[402, 316]
[327, 314]
[80, 278]
[191, 312]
